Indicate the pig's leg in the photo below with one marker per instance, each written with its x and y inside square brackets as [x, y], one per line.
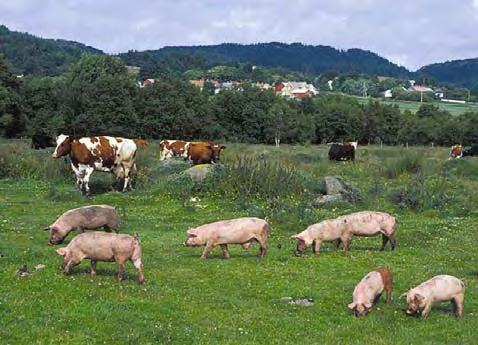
[426, 310]
[225, 253]
[207, 250]
[317, 246]
[346, 239]
[384, 242]
[139, 266]
[120, 261]
[263, 243]
[458, 304]
[388, 292]
[393, 240]
[336, 243]
[93, 268]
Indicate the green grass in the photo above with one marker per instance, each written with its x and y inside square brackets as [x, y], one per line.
[237, 301]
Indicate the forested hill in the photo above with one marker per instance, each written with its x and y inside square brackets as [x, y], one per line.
[457, 72]
[28, 54]
[298, 57]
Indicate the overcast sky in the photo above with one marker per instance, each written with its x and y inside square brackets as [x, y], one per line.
[411, 33]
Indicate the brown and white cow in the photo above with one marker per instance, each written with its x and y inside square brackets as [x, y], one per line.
[102, 153]
[203, 152]
[172, 148]
[456, 151]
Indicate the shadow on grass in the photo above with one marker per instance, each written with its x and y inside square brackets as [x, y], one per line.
[102, 272]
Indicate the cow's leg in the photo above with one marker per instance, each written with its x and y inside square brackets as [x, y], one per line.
[86, 179]
[78, 175]
[127, 168]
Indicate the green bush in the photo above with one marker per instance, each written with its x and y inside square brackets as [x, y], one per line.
[409, 162]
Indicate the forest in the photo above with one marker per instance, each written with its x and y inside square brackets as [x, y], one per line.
[98, 95]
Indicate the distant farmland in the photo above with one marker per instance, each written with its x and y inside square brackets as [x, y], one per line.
[452, 108]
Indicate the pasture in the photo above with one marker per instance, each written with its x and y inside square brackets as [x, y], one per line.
[238, 301]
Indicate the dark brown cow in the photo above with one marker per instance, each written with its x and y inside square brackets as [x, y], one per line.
[172, 148]
[343, 152]
[102, 153]
[203, 152]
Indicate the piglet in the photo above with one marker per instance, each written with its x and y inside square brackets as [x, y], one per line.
[438, 289]
[369, 289]
[241, 231]
[87, 217]
[103, 246]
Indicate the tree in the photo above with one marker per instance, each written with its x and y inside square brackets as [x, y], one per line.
[98, 97]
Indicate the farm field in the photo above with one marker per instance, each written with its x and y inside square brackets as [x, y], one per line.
[452, 108]
[238, 301]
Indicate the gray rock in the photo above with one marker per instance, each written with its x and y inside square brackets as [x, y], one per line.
[198, 173]
[336, 191]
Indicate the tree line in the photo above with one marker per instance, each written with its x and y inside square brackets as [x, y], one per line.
[98, 96]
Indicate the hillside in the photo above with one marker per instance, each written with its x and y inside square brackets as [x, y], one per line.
[28, 54]
[298, 57]
[457, 72]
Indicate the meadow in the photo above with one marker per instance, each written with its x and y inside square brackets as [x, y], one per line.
[238, 301]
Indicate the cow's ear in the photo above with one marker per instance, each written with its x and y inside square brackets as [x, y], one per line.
[62, 251]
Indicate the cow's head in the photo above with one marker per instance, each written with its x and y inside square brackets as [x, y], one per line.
[63, 146]
[457, 151]
[216, 151]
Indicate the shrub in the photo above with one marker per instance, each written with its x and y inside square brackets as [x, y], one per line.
[409, 162]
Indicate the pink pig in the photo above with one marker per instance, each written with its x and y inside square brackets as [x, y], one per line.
[241, 231]
[438, 289]
[103, 246]
[86, 217]
[342, 229]
[369, 289]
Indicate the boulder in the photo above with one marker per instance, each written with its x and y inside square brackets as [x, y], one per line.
[198, 173]
[336, 191]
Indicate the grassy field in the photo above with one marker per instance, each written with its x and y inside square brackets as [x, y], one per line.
[452, 108]
[238, 301]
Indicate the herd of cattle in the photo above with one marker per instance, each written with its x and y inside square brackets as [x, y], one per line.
[117, 155]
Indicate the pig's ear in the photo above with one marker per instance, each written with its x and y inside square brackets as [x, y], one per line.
[368, 305]
[297, 237]
[352, 305]
[62, 251]
[192, 233]
[419, 297]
